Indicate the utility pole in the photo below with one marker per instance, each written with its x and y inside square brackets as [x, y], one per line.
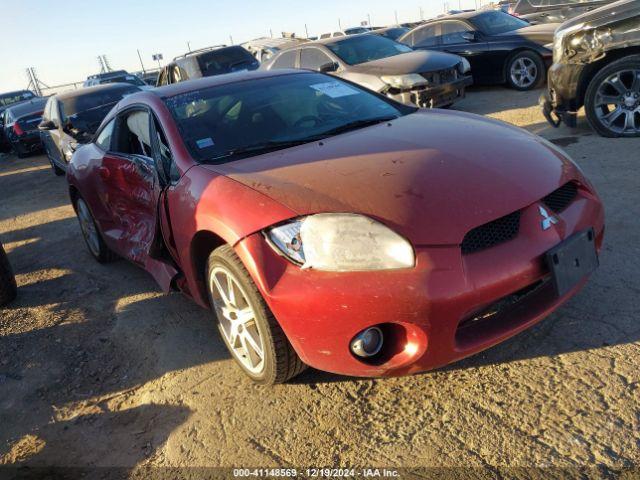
[339, 25]
[421, 14]
[306, 31]
[271, 32]
[34, 83]
[189, 46]
[369, 19]
[396, 13]
[231, 38]
[141, 64]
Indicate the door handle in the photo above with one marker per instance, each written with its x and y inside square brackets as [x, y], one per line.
[104, 173]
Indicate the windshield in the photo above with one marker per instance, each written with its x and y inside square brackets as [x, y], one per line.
[228, 122]
[15, 97]
[496, 22]
[366, 48]
[131, 79]
[226, 60]
[86, 112]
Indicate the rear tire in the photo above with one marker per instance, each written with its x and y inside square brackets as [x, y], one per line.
[8, 288]
[525, 71]
[273, 360]
[608, 100]
[20, 152]
[91, 233]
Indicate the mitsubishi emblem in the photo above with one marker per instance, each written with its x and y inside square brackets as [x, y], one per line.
[548, 220]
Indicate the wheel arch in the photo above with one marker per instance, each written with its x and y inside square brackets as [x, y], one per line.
[202, 244]
[593, 69]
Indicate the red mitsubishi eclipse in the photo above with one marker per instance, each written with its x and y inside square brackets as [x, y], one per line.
[326, 225]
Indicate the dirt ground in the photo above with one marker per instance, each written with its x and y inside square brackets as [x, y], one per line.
[97, 368]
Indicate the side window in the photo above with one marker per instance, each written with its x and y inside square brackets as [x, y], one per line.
[165, 158]
[452, 32]
[178, 74]
[286, 59]
[162, 79]
[426, 36]
[104, 139]
[313, 58]
[338, 34]
[132, 134]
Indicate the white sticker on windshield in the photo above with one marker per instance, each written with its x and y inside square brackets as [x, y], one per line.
[335, 89]
[205, 142]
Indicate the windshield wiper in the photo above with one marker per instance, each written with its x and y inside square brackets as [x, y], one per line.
[347, 127]
[266, 147]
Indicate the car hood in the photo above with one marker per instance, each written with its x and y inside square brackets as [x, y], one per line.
[410, 62]
[609, 13]
[541, 34]
[432, 176]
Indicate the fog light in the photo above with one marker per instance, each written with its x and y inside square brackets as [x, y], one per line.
[367, 343]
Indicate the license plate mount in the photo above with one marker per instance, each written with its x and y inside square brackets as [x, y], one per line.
[572, 260]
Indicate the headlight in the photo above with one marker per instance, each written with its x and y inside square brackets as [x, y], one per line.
[341, 242]
[68, 151]
[465, 66]
[410, 80]
[559, 41]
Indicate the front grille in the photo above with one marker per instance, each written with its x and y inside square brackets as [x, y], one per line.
[441, 76]
[492, 233]
[561, 198]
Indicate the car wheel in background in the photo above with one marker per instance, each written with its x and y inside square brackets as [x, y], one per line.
[8, 288]
[91, 234]
[249, 330]
[525, 71]
[19, 150]
[612, 101]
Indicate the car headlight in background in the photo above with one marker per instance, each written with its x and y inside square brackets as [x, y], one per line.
[465, 66]
[341, 242]
[409, 80]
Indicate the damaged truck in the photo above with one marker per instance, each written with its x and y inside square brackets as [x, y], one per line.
[596, 64]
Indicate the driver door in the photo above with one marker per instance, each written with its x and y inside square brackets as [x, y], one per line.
[132, 185]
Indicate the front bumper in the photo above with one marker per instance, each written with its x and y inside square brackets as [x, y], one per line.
[436, 96]
[421, 310]
[561, 102]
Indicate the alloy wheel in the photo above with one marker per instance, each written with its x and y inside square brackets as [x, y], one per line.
[524, 72]
[617, 104]
[88, 227]
[237, 320]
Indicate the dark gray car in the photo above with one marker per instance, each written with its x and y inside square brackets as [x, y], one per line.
[418, 78]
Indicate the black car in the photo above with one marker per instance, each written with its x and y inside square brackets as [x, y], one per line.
[117, 76]
[554, 11]
[500, 47]
[207, 62]
[20, 126]
[6, 100]
[597, 65]
[71, 118]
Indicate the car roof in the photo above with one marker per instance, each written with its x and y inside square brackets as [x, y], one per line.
[89, 90]
[219, 80]
[460, 16]
[28, 106]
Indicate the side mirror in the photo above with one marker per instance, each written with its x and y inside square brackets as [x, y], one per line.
[47, 125]
[470, 36]
[328, 67]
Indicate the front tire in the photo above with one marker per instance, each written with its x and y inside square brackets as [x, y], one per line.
[612, 101]
[525, 71]
[8, 288]
[91, 234]
[248, 328]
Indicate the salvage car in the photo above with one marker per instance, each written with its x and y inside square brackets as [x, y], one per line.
[71, 119]
[597, 65]
[327, 225]
[11, 98]
[116, 76]
[423, 79]
[207, 62]
[553, 11]
[265, 48]
[8, 288]
[500, 48]
[20, 126]
[391, 32]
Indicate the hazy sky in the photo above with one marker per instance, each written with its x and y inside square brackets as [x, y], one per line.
[62, 39]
